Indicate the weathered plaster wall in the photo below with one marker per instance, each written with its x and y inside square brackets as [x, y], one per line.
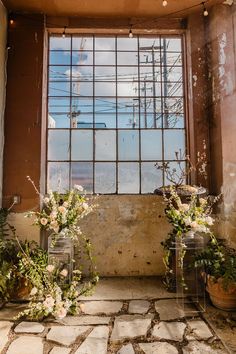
[3, 58]
[126, 232]
[222, 57]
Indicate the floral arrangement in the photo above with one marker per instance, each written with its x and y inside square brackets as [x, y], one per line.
[191, 216]
[50, 293]
[61, 212]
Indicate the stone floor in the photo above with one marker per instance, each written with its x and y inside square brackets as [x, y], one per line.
[124, 316]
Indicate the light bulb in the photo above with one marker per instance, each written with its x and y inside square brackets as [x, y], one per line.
[164, 3]
[205, 13]
[130, 33]
[64, 33]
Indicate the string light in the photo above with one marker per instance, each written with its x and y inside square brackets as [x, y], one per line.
[64, 33]
[205, 12]
[11, 20]
[130, 33]
[164, 3]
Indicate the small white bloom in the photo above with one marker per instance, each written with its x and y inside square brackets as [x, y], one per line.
[60, 313]
[33, 291]
[64, 272]
[53, 215]
[85, 206]
[62, 209]
[187, 221]
[66, 204]
[184, 207]
[46, 200]
[49, 302]
[78, 187]
[50, 268]
[43, 221]
[209, 220]
[194, 224]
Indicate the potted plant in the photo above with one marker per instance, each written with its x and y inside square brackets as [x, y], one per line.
[219, 262]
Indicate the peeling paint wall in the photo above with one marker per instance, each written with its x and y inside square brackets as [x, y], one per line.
[3, 58]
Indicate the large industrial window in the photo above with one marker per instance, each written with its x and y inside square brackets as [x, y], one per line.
[115, 108]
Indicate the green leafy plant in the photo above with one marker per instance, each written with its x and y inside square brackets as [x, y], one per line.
[219, 262]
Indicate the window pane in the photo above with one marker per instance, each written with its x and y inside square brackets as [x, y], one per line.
[82, 43]
[125, 43]
[173, 105]
[105, 58]
[174, 141]
[82, 121]
[148, 120]
[105, 178]
[151, 177]
[82, 105]
[127, 73]
[172, 44]
[105, 120]
[105, 105]
[127, 89]
[105, 73]
[128, 120]
[60, 58]
[105, 145]
[105, 88]
[128, 145]
[58, 145]
[82, 88]
[104, 43]
[127, 58]
[151, 145]
[82, 145]
[172, 73]
[149, 43]
[150, 73]
[59, 73]
[58, 88]
[59, 105]
[174, 120]
[172, 89]
[81, 73]
[82, 58]
[58, 177]
[58, 120]
[82, 174]
[59, 43]
[128, 177]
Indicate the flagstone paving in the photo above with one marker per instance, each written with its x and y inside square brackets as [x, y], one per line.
[145, 325]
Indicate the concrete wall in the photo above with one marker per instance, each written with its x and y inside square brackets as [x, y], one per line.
[3, 58]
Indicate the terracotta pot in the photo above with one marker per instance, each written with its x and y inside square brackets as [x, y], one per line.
[222, 297]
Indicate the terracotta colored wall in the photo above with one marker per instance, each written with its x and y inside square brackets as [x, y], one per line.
[23, 111]
[3, 58]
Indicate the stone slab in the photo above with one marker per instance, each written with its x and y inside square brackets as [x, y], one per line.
[29, 327]
[26, 345]
[130, 326]
[85, 320]
[158, 348]
[96, 342]
[126, 349]
[139, 306]
[66, 335]
[10, 311]
[199, 330]
[5, 327]
[169, 330]
[129, 288]
[201, 348]
[104, 307]
[171, 310]
[60, 350]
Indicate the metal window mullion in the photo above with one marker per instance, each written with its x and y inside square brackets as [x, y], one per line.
[70, 165]
[139, 128]
[94, 140]
[117, 131]
[162, 113]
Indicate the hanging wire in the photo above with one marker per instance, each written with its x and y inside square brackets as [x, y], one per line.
[205, 12]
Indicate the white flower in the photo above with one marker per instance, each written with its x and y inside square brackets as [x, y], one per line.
[60, 313]
[194, 224]
[46, 200]
[53, 215]
[54, 226]
[50, 268]
[85, 206]
[49, 302]
[62, 209]
[184, 207]
[33, 291]
[65, 204]
[64, 272]
[43, 221]
[78, 187]
[187, 221]
[209, 220]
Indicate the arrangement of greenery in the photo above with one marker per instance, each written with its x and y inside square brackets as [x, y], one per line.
[219, 262]
[194, 216]
[50, 294]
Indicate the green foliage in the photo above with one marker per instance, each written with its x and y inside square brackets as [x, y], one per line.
[219, 261]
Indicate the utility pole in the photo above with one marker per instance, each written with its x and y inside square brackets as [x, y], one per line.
[165, 84]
